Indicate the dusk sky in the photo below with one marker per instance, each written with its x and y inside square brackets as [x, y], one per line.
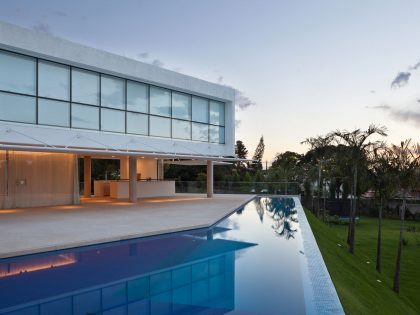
[303, 67]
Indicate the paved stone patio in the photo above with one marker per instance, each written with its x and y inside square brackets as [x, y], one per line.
[99, 220]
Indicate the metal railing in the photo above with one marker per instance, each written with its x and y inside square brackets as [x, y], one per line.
[223, 187]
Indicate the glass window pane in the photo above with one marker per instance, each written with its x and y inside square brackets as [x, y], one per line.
[181, 106]
[181, 129]
[17, 73]
[112, 120]
[222, 135]
[200, 109]
[85, 87]
[200, 132]
[53, 80]
[160, 127]
[85, 117]
[160, 101]
[137, 123]
[17, 108]
[54, 113]
[217, 113]
[112, 92]
[137, 97]
[217, 134]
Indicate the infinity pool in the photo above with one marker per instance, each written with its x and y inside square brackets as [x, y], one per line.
[252, 262]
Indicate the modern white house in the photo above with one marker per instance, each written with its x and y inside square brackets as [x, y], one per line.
[61, 101]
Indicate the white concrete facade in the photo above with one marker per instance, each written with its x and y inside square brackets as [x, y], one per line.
[59, 139]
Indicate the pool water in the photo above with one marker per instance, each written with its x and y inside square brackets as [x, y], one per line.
[249, 263]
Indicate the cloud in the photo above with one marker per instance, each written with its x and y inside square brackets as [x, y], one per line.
[243, 101]
[143, 55]
[61, 13]
[405, 115]
[401, 79]
[42, 27]
[379, 107]
[416, 66]
[157, 63]
[238, 122]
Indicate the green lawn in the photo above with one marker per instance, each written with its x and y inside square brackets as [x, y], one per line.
[356, 280]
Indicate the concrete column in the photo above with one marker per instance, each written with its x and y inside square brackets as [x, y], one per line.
[160, 169]
[124, 167]
[76, 190]
[209, 179]
[87, 170]
[132, 186]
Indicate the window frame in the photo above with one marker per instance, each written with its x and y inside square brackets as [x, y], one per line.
[126, 111]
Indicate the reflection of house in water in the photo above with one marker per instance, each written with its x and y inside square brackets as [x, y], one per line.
[166, 275]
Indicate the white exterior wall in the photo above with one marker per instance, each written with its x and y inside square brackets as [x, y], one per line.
[45, 46]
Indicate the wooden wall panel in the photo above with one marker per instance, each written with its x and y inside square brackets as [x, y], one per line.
[39, 179]
[147, 168]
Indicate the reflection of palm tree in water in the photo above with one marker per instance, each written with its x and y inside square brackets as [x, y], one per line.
[259, 207]
[283, 213]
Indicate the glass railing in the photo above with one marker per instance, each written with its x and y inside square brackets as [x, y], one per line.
[223, 187]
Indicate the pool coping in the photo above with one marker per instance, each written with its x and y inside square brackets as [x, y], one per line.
[320, 294]
[90, 242]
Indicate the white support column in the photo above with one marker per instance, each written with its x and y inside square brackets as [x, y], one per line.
[124, 167]
[160, 169]
[76, 190]
[132, 186]
[209, 179]
[87, 171]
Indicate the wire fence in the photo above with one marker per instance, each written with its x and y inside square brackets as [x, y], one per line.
[227, 187]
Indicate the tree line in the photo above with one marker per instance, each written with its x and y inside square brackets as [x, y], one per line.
[346, 165]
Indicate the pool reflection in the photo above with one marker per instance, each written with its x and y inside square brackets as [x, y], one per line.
[177, 274]
[282, 211]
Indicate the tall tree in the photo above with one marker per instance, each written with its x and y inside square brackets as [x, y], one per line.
[241, 152]
[405, 161]
[358, 143]
[319, 146]
[381, 173]
[289, 164]
[258, 155]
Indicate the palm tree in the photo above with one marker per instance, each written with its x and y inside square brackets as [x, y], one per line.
[405, 162]
[381, 173]
[319, 145]
[358, 143]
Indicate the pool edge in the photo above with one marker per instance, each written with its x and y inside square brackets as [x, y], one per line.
[321, 297]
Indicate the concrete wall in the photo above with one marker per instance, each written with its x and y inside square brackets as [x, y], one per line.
[52, 48]
[37, 179]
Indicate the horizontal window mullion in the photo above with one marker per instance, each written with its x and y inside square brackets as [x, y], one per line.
[143, 113]
[17, 93]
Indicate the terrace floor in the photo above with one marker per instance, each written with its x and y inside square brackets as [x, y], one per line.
[99, 220]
